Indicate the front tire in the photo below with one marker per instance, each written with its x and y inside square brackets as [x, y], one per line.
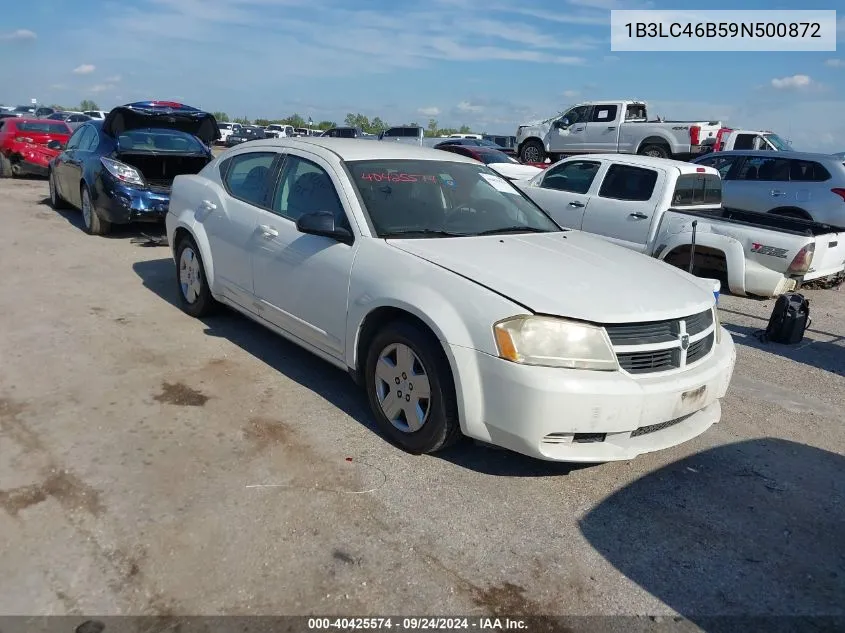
[410, 389]
[194, 292]
[532, 152]
[94, 224]
[56, 200]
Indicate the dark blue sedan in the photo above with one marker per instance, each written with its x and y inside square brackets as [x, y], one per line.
[120, 170]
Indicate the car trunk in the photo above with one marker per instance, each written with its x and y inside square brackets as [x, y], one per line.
[159, 171]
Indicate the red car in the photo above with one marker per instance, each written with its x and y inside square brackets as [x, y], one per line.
[28, 145]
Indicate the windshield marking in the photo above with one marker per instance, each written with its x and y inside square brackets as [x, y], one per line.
[398, 177]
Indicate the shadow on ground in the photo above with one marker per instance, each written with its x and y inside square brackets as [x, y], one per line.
[826, 355]
[136, 231]
[755, 528]
[159, 276]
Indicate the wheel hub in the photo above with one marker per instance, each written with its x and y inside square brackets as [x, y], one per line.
[403, 388]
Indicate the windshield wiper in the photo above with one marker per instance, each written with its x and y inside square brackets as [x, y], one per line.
[424, 232]
[513, 229]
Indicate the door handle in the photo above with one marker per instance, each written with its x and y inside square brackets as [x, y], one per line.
[576, 204]
[268, 231]
[776, 193]
[208, 205]
[611, 127]
[638, 215]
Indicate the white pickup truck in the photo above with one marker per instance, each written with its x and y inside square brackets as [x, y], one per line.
[612, 126]
[652, 205]
[728, 139]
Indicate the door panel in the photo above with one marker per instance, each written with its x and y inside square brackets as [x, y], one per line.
[302, 280]
[602, 133]
[624, 209]
[230, 217]
[563, 191]
[572, 138]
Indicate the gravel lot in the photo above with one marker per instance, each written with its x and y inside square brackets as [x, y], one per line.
[155, 464]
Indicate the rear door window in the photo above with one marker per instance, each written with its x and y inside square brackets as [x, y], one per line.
[807, 171]
[625, 182]
[693, 189]
[767, 169]
[248, 177]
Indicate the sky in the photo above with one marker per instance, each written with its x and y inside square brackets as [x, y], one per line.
[488, 64]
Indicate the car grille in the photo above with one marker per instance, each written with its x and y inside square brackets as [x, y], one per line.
[658, 346]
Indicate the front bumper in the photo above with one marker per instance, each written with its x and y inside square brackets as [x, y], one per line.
[588, 416]
[120, 203]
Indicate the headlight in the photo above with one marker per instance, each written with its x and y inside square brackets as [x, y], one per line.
[122, 171]
[717, 323]
[553, 342]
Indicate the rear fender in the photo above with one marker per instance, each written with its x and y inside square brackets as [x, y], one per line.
[185, 195]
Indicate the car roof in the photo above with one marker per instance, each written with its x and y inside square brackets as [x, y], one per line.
[636, 160]
[349, 149]
[763, 153]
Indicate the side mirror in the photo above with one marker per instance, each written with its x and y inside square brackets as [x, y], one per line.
[55, 145]
[322, 223]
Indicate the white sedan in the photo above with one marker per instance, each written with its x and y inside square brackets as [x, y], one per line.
[457, 303]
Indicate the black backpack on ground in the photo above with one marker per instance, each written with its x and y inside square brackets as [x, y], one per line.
[790, 318]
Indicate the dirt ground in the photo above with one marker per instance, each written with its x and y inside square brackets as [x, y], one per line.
[151, 463]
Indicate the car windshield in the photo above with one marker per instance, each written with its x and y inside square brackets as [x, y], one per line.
[778, 142]
[159, 141]
[50, 127]
[489, 157]
[432, 198]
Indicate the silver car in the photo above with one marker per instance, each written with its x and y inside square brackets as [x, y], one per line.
[794, 184]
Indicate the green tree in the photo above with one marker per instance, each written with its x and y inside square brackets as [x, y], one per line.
[377, 125]
[242, 120]
[326, 125]
[87, 104]
[262, 122]
[431, 129]
[295, 120]
[56, 106]
[220, 116]
[465, 129]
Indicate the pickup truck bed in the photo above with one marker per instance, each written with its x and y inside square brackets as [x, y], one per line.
[762, 237]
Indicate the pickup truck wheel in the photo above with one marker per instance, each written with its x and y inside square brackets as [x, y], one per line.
[532, 152]
[656, 151]
[5, 167]
[410, 389]
[94, 224]
[194, 292]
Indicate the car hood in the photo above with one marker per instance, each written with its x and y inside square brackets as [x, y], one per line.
[569, 274]
[514, 170]
[143, 115]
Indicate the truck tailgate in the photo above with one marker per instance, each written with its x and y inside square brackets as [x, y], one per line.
[829, 257]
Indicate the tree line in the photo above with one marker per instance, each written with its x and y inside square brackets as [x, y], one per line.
[372, 126]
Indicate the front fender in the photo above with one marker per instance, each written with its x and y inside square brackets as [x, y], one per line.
[732, 249]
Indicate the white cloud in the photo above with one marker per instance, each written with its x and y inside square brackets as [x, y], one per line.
[611, 58]
[466, 106]
[19, 35]
[795, 82]
[429, 111]
[113, 79]
[84, 69]
[58, 87]
[835, 63]
[101, 88]
[570, 94]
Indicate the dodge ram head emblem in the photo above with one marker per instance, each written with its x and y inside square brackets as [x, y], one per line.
[684, 341]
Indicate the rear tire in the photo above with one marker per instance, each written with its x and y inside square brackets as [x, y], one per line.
[655, 151]
[191, 282]
[399, 355]
[94, 224]
[532, 151]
